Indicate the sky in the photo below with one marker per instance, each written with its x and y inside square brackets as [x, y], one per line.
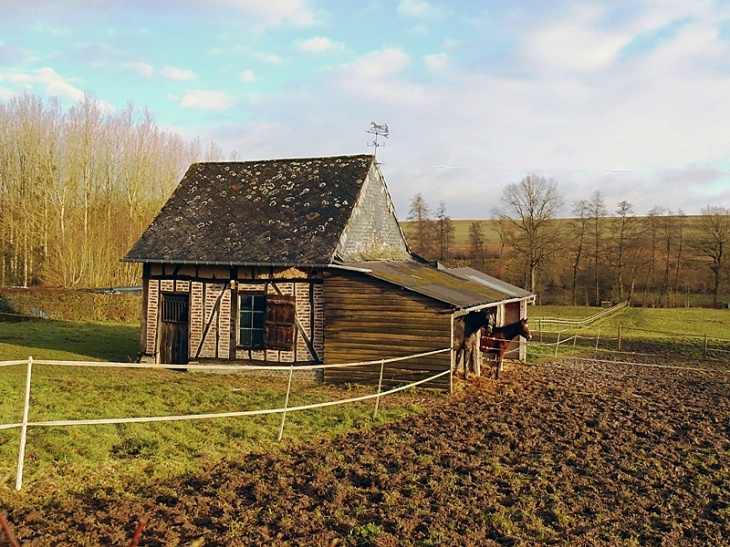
[628, 98]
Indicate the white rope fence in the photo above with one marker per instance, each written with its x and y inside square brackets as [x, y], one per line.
[579, 323]
[25, 423]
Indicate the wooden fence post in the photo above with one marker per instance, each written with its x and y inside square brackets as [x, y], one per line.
[380, 388]
[286, 402]
[24, 429]
[598, 337]
[704, 350]
[619, 337]
[557, 344]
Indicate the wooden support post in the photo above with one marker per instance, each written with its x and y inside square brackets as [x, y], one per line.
[575, 339]
[598, 337]
[704, 350]
[539, 328]
[24, 429]
[557, 344]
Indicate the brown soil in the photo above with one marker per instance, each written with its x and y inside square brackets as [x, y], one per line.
[572, 453]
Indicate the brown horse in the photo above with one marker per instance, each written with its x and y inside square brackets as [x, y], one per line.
[496, 343]
[466, 337]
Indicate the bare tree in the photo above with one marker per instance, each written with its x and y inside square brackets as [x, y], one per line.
[597, 210]
[530, 208]
[580, 210]
[476, 244]
[444, 233]
[421, 215]
[713, 236]
[624, 233]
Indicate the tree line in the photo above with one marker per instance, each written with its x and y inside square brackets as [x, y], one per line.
[78, 187]
[599, 254]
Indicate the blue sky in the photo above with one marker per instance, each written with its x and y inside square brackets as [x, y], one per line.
[631, 98]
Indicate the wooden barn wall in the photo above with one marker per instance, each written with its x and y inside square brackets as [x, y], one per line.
[367, 319]
[512, 313]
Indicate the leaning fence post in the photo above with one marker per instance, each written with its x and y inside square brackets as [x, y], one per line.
[557, 344]
[704, 350]
[598, 337]
[380, 387]
[619, 337]
[24, 429]
[286, 402]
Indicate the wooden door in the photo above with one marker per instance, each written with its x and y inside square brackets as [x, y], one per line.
[174, 327]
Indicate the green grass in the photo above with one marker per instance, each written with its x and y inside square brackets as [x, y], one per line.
[66, 459]
[69, 340]
[675, 330]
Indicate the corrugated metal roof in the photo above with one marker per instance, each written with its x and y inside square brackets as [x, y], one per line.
[443, 285]
[288, 211]
[492, 282]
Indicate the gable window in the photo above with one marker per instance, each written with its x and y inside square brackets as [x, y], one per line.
[252, 325]
[266, 321]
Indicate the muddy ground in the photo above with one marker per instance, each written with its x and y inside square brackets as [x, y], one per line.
[569, 453]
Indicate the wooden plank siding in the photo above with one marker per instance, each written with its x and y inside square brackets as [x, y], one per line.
[368, 319]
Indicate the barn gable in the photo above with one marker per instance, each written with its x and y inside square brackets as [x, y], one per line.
[373, 232]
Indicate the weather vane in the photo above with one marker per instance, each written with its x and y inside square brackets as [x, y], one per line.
[377, 130]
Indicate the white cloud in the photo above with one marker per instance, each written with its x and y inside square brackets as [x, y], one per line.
[275, 12]
[267, 58]
[174, 73]
[55, 85]
[318, 44]
[247, 76]
[207, 100]
[419, 9]
[5, 93]
[141, 68]
[436, 63]
[381, 63]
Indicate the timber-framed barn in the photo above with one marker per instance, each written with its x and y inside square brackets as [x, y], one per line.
[300, 261]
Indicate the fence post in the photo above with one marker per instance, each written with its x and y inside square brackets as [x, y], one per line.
[286, 402]
[24, 430]
[575, 340]
[557, 344]
[539, 328]
[619, 337]
[598, 337]
[380, 388]
[704, 350]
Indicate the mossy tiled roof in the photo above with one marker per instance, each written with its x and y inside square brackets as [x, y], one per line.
[278, 212]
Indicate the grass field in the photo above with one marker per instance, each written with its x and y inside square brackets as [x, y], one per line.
[63, 460]
[66, 459]
[689, 332]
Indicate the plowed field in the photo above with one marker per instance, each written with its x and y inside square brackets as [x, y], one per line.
[570, 453]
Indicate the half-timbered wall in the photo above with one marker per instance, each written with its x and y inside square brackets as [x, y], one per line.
[367, 319]
[213, 294]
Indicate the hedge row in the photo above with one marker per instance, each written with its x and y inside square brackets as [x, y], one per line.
[71, 305]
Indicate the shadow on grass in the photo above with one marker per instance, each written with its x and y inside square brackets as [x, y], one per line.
[69, 340]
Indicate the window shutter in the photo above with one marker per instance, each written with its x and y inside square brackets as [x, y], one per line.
[280, 310]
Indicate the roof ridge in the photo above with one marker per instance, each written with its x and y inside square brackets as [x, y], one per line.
[270, 160]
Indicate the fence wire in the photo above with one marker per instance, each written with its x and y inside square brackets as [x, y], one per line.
[25, 424]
